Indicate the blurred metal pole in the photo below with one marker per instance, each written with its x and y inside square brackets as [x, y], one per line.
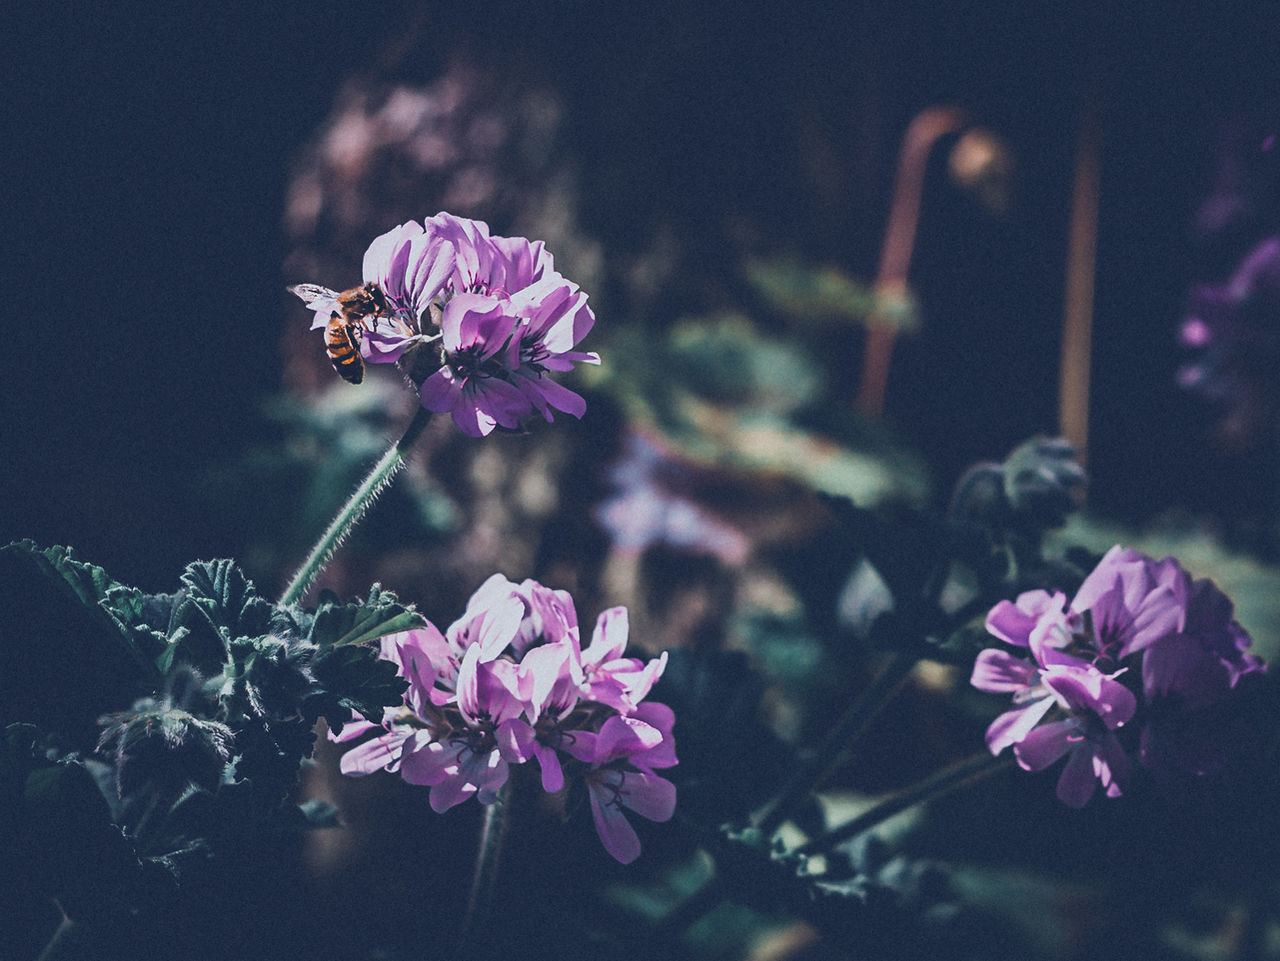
[1082, 246]
[925, 129]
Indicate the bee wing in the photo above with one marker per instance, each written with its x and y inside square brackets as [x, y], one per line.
[315, 296]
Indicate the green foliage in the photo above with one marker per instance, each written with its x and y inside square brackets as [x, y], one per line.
[723, 359]
[206, 700]
[64, 657]
[820, 295]
[726, 395]
[54, 814]
[219, 591]
[338, 625]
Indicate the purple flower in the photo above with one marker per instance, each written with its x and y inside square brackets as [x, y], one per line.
[474, 757]
[1172, 640]
[1131, 602]
[1233, 331]
[554, 317]
[507, 319]
[622, 756]
[1036, 620]
[501, 319]
[1096, 704]
[998, 672]
[473, 384]
[507, 683]
[1189, 680]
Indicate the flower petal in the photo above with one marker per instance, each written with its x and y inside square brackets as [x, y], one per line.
[1044, 745]
[616, 833]
[1076, 784]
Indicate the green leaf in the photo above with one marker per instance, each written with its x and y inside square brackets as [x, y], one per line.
[85, 581]
[357, 622]
[353, 679]
[64, 658]
[220, 590]
[151, 620]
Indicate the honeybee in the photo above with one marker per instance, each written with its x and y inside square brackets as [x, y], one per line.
[349, 311]
[342, 344]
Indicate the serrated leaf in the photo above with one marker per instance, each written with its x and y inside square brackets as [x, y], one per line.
[357, 622]
[88, 582]
[220, 590]
[291, 620]
[353, 679]
[150, 619]
[64, 660]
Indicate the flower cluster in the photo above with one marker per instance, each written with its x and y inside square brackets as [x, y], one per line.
[506, 319]
[1140, 639]
[509, 682]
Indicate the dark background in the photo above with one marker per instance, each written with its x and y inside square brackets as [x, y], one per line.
[148, 149]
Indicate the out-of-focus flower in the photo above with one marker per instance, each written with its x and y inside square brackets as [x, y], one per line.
[508, 682]
[1140, 638]
[499, 316]
[645, 511]
[1234, 330]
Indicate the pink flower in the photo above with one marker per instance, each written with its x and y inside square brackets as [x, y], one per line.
[494, 314]
[508, 683]
[506, 317]
[1132, 612]
[1096, 705]
[622, 756]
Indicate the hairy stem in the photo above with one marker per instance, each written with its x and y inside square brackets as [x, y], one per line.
[357, 504]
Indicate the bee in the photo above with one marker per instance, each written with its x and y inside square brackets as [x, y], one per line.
[349, 311]
[342, 343]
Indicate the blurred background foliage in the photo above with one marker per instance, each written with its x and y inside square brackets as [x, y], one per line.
[718, 180]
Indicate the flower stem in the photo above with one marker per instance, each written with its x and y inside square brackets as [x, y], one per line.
[971, 769]
[354, 509]
[846, 732]
[492, 832]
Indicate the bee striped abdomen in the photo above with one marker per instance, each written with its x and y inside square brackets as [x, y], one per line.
[342, 342]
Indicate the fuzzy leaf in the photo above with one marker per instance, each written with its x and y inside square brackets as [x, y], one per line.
[86, 581]
[353, 679]
[357, 622]
[220, 590]
[266, 677]
[64, 659]
[152, 620]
